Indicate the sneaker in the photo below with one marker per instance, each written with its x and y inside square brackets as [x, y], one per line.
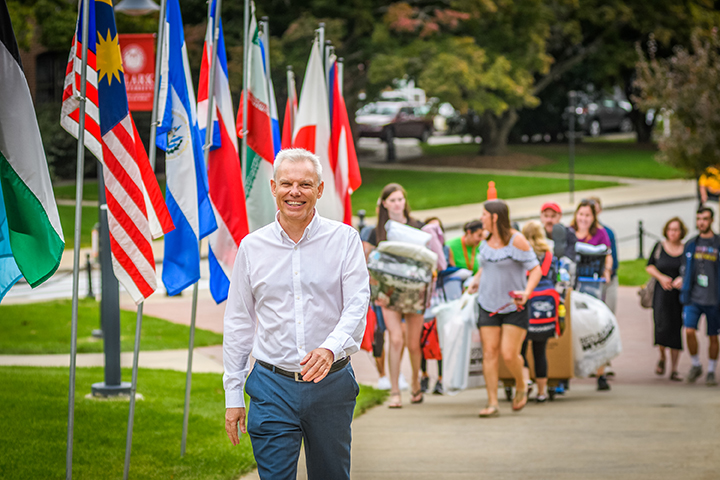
[602, 383]
[424, 384]
[438, 390]
[710, 379]
[383, 383]
[560, 389]
[694, 373]
[541, 398]
[402, 383]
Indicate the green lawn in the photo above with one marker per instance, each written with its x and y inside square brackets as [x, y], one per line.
[434, 189]
[67, 220]
[632, 272]
[67, 192]
[34, 419]
[592, 158]
[603, 158]
[90, 190]
[39, 328]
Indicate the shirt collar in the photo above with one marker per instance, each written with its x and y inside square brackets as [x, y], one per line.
[310, 230]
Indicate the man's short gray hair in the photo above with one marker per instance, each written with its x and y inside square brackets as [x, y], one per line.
[297, 155]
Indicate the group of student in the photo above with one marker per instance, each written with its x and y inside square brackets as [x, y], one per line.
[507, 266]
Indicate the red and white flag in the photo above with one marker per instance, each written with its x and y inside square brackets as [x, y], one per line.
[260, 152]
[312, 131]
[343, 158]
[136, 208]
[290, 111]
[224, 173]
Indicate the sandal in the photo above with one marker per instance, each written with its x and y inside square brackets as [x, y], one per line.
[489, 411]
[417, 397]
[395, 400]
[520, 397]
[660, 369]
[675, 377]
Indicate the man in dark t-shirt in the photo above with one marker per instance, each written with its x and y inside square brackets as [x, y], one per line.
[700, 293]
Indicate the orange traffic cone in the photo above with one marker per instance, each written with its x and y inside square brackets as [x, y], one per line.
[492, 192]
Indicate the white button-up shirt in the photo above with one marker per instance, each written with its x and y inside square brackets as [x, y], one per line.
[287, 299]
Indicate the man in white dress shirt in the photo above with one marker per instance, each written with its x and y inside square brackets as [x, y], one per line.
[298, 301]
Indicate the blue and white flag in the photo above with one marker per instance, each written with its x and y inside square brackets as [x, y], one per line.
[187, 184]
[277, 137]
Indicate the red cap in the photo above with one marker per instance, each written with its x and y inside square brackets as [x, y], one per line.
[551, 206]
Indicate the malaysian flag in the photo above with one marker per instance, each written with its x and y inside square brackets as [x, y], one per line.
[224, 173]
[136, 210]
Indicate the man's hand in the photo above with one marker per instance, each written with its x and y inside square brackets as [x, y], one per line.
[233, 417]
[317, 364]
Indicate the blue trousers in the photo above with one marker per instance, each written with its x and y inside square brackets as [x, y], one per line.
[284, 413]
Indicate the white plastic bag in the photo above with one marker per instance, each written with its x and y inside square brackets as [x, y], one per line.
[455, 321]
[595, 333]
[399, 232]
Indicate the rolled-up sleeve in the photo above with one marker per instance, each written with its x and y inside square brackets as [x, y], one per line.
[239, 332]
[345, 338]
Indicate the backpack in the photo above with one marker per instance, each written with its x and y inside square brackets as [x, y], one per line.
[430, 342]
[543, 306]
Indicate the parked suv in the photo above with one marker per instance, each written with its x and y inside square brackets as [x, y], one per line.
[387, 120]
[603, 115]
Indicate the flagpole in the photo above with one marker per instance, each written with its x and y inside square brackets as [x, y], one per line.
[329, 51]
[340, 74]
[321, 38]
[246, 27]
[265, 27]
[206, 153]
[152, 158]
[76, 248]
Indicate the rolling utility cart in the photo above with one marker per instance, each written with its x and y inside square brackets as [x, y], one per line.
[559, 359]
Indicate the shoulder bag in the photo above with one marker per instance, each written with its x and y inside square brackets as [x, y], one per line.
[647, 292]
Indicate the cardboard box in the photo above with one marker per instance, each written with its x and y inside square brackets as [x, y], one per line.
[559, 355]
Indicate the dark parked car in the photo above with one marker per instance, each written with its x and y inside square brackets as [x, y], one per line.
[603, 115]
[387, 120]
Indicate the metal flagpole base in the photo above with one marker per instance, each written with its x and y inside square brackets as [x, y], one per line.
[100, 389]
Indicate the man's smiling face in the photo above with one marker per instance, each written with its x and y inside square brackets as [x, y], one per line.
[296, 189]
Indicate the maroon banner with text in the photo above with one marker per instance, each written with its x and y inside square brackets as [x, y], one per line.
[138, 55]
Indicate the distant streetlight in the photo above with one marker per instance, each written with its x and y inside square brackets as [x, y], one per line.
[137, 7]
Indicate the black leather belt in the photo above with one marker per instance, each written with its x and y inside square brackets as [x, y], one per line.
[297, 376]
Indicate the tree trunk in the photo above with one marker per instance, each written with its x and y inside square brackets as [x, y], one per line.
[495, 131]
[643, 131]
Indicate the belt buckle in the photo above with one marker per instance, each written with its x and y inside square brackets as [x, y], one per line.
[298, 377]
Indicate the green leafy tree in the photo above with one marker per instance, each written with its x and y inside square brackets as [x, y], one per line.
[481, 56]
[687, 87]
[593, 42]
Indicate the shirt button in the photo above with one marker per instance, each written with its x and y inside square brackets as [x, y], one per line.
[295, 248]
[298, 298]
[296, 273]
